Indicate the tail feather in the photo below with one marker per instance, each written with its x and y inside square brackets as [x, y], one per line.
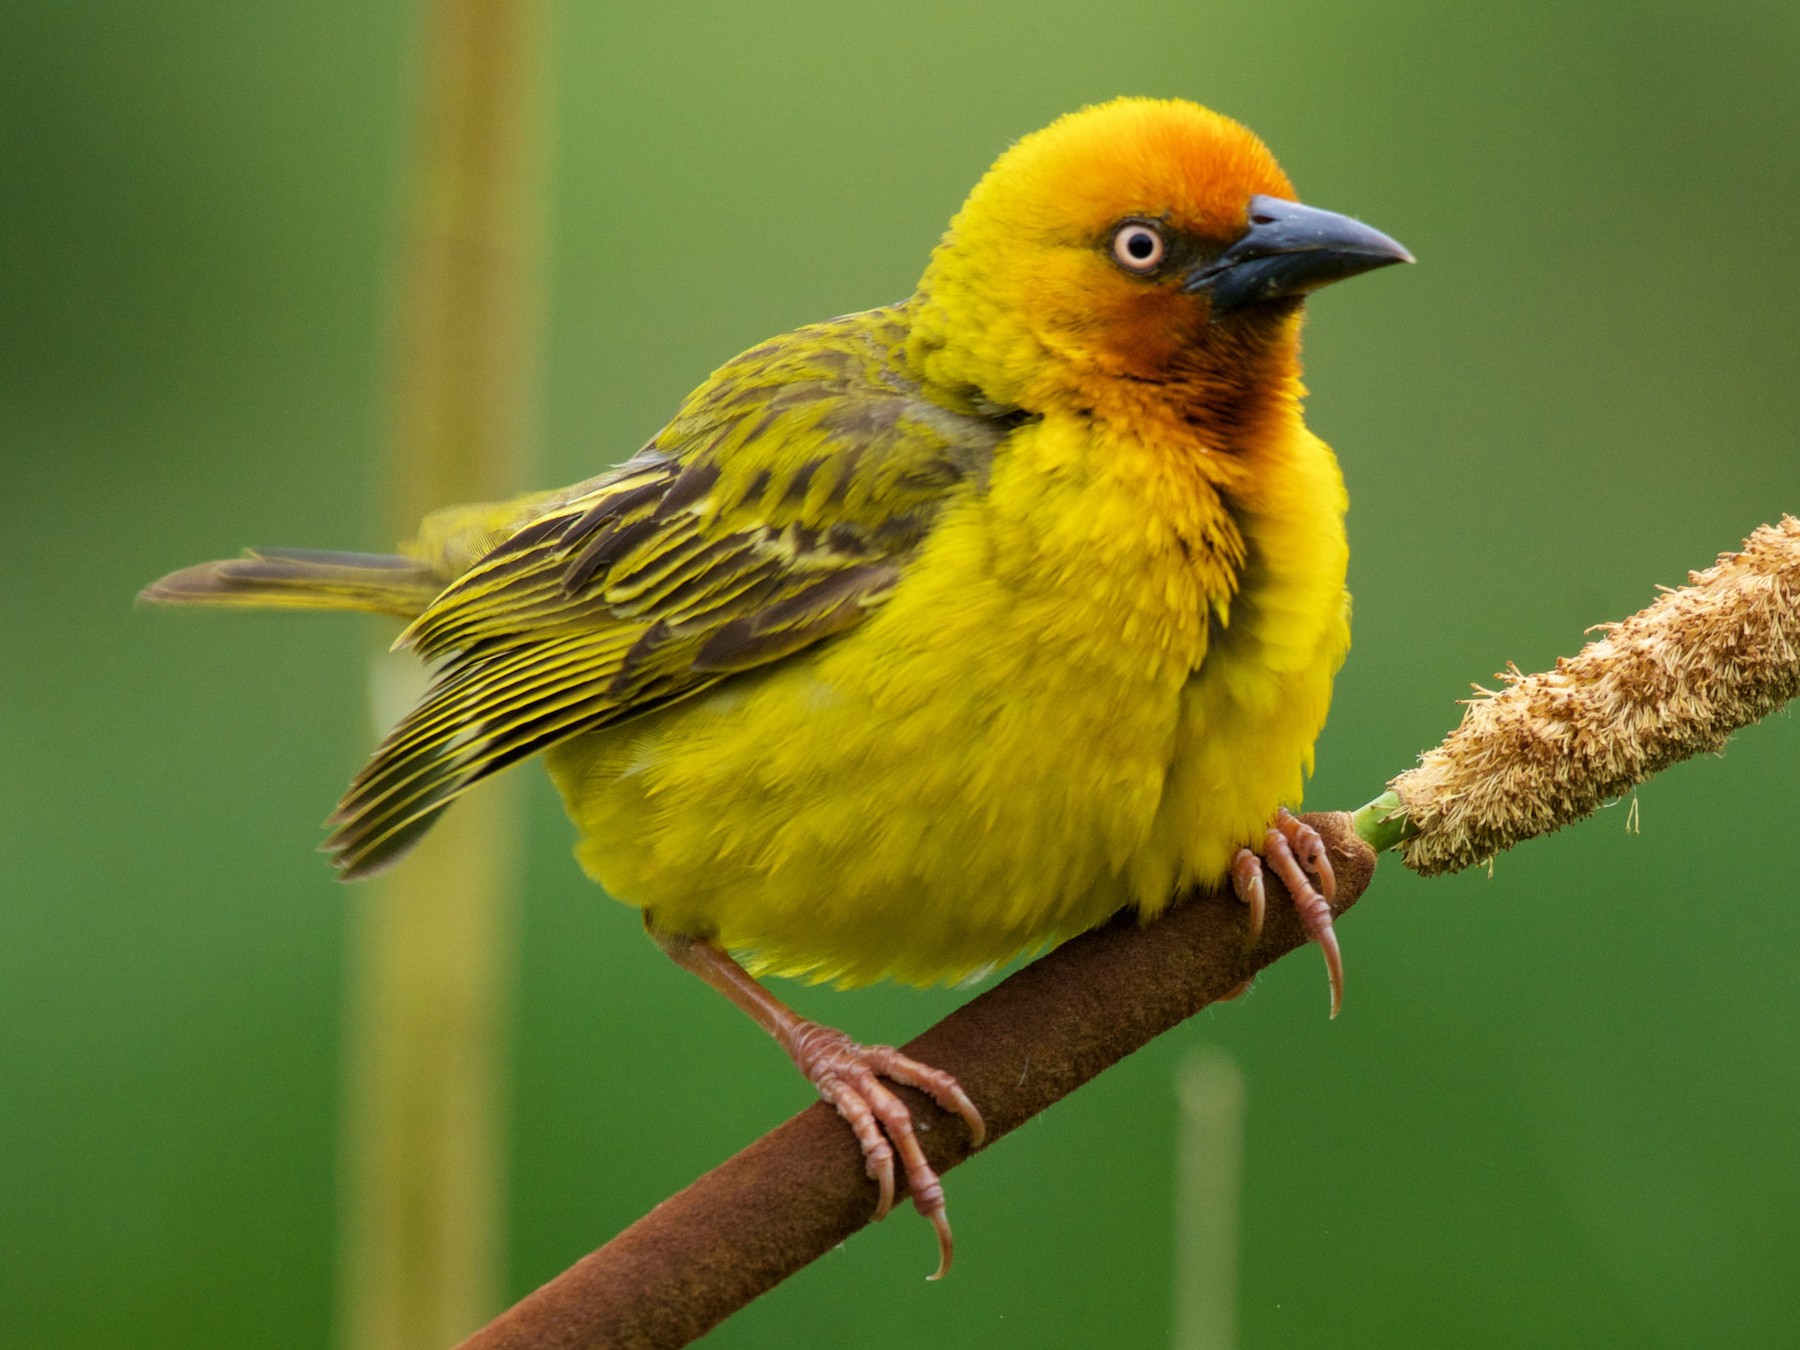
[294, 578]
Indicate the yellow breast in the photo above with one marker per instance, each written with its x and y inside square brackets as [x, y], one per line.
[1022, 739]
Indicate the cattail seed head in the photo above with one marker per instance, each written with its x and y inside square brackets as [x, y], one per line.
[1673, 680]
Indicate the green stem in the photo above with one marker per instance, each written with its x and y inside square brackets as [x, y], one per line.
[1383, 823]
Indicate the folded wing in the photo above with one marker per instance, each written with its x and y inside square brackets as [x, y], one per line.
[779, 507]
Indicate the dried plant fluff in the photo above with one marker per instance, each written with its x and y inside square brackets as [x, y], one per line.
[1671, 681]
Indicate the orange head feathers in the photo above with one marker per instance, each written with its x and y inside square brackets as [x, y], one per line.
[1141, 239]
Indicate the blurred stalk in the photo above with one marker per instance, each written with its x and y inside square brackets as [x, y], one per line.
[422, 1208]
[1209, 1087]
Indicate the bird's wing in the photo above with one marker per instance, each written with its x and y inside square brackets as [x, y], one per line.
[775, 511]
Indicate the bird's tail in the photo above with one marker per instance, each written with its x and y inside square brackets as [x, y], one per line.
[297, 578]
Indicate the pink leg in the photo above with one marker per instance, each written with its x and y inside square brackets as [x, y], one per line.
[1292, 848]
[848, 1075]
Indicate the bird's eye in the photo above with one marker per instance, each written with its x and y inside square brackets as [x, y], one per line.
[1138, 247]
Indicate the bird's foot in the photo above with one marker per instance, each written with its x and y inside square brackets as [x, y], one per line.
[1293, 849]
[848, 1075]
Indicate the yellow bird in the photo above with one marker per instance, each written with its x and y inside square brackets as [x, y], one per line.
[923, 636]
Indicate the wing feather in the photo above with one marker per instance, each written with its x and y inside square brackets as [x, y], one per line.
[778, 508]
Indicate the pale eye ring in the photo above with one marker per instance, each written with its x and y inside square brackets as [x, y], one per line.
[1138, 247]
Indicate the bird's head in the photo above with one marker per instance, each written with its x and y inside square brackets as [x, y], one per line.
[1140, 241]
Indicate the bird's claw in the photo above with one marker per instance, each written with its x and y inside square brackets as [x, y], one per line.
[849, 1076]
[1247, 881]
[1293, 849]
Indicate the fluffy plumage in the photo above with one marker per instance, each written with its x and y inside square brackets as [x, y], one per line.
[918, 637]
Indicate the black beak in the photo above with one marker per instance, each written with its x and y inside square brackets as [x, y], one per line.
[1291, 249]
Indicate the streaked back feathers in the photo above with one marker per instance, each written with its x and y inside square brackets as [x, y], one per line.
[776, 509]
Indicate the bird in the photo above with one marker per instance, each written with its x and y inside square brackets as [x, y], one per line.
[926, 636]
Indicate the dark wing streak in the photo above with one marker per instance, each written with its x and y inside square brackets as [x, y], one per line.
[612, 505]
[506, 678]
[693, 561]
[634, 585]
[440, 787]
[513, 685]
[797, 621]
[487, 588]
[606, 547]
[511, 701]
[703, 595]
[360, 854]
[518, 676]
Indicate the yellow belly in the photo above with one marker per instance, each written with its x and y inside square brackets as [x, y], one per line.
[1028, 735]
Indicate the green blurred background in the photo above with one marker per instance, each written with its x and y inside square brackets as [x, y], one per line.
[1561, 1104]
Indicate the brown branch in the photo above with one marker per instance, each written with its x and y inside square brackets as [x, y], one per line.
[800, 1190]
